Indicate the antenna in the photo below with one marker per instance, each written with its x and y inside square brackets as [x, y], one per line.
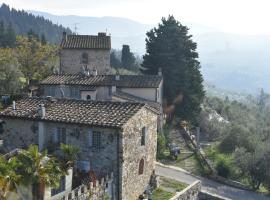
[75, 28]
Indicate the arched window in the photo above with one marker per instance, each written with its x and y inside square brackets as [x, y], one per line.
[85, 58]
[141, 166]
[88, 97]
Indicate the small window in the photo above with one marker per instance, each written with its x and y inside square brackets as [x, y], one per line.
[141, 166]
[88, 97]
[59, 136]
[96, 140]
[143, 137]
[85, 58]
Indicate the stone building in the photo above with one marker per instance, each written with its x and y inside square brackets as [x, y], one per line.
[132, 88]
[85, 53]
[118, 137]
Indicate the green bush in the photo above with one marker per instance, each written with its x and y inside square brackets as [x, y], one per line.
[161, 145]
[223, 166]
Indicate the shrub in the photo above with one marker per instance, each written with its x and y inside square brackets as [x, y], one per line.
[223, 166]
[161, 145]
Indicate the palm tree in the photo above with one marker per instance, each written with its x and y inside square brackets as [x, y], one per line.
[9, 179]
[38, 170]
[69, 155]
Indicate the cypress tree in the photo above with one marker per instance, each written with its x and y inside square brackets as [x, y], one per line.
[10, 36]
[128, 58]
[2, 33]
[43, 40]
[170, 47]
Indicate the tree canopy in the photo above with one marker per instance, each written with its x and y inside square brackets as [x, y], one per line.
[170, 48]
[22, 22]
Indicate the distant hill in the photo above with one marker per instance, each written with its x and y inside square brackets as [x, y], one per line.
[22, 22]
[122, 30]
[229, 61]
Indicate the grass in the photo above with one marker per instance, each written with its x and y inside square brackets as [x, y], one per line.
[175, 185]
[168, 188]
[189, 162]
[161, 194]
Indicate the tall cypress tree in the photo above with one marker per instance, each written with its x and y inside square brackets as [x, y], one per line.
[128, 58]
[10, 36]
[2, 33]
[170, 47]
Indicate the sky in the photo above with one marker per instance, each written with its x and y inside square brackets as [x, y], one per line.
[235, 16]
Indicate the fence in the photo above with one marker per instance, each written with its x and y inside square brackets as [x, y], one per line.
[98, 190]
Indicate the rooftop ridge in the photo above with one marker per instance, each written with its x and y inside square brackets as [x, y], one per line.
[93, 113]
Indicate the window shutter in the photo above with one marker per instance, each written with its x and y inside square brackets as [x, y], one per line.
[90, 138]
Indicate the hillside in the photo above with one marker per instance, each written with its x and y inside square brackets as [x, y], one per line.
[22, 22]
[230, 61]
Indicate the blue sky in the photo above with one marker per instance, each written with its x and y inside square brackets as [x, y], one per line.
[237, 16]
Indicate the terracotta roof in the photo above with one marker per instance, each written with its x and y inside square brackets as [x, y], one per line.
[86, 42]
[128, 97]
[134, 81]
[96, 113]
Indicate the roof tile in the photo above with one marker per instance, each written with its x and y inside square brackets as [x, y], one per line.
[86, 42]
[96, 113]
[134, 81]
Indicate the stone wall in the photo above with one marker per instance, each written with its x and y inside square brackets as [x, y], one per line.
[102, 93]
[133, 183]
[18, 134]
[21, 133]
[71, 60]
[189, 193]
[101, 160]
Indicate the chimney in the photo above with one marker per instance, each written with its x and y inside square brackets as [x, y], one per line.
[101, 34]
[159, 71]
[64, 36]
[94, 72]
[41, 111]
[13, 105]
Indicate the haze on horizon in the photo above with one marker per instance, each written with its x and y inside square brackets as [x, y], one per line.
[235, 16]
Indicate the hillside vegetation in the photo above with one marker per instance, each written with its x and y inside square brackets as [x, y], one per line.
[22, 22]
[241, 136]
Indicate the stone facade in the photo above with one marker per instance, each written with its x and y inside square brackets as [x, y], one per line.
[76, 91]
[18, 134]
[120, 150]
[134, 183]
[71, 60]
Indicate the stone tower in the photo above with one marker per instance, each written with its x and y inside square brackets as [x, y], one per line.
[85, 54]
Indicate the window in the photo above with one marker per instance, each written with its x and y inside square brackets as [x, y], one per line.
[94, 139]
[88, 97]
[59, 136]
[141, 166]
[143, 137]
[85, 58]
